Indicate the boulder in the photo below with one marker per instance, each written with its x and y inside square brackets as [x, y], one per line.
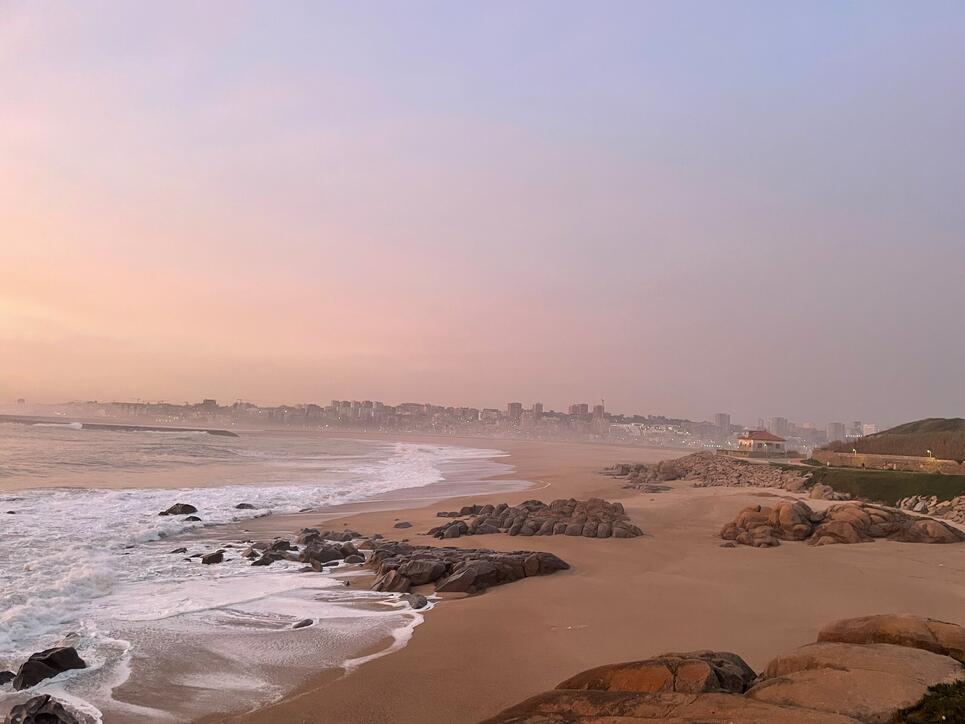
[244, 506]
[940, 637]
[6, 677]
[392, 582]
[422, 571]
[192, 519]
[179, 509]
[692, 673]
[179, 550]
[43, 709]
[403, 524]
[355, 559]
[320, 553]
[216, 557]
[305, 622]
[47, 664]
[415, 600]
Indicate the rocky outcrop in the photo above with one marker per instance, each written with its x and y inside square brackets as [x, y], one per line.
[179, 509]
[593, 518]
[47, 664]
[211, 558]
[400, 566]
[820, 491]
[953, 509]
[312, 535]
[42, 709]
[708, 469]
[834, 682]
[764, 527]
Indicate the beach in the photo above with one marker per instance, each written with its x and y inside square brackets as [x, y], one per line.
[674, 589]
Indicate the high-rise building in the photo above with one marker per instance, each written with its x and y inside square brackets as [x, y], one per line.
[836, 431]
[722, 423]
[777, 426]
[514, 410]
[580, 409]
[869, 428]
[598, 412]
[537, 410]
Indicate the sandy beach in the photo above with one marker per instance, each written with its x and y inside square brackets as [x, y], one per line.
[673, 589]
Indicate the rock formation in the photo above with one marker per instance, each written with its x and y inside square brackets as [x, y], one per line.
[593, 518]
[708, 469]
[45, 665]
[953, 509]
[860, 670]
[764, 527]
[42, 709]
[179, 509]
[400, 566]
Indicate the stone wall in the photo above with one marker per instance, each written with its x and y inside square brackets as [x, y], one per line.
[890, 462]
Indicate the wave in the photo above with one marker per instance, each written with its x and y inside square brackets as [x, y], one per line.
[70, 425]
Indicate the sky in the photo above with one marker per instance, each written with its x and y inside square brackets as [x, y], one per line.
[680, 207]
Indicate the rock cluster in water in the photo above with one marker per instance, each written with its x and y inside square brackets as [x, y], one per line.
[401, 566]
[708, 469]
[593, 518]
[953, 509]
[43, 709]
[47, 664]
[859, 670]
[765, 527]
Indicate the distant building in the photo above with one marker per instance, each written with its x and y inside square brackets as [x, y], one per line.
[760, 443]
[21, 402]
[580, 409]
[836, 431]
[537, 410]
[598, 412]
[777, 426]
[209, 404]
[722, 423]
[869, 428]
[514, 410]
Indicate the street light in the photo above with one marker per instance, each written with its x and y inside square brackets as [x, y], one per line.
[929, 453]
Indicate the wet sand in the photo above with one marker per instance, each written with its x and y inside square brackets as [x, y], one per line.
[673, 589]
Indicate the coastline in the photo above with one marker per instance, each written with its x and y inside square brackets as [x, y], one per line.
[673, 589]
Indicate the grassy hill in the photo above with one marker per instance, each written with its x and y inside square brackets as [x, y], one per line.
[945, 437]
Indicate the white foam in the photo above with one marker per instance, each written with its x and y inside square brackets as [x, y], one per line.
[98, 561]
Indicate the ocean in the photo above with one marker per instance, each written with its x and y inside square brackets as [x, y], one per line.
[85, 559]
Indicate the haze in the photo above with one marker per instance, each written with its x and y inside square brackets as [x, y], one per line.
[680, 207]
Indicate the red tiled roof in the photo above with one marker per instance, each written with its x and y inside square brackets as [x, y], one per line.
[762, 435]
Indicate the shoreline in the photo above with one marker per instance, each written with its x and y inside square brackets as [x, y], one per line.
[675, 588]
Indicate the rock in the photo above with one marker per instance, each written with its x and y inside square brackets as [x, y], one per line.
[43, 709]
[355, 559]
[216, 557]
[179, 550]
[940, 637]
[709, 469]
[179, 509]
[563, 706]
[392, 582]
[244, 506]
[761, 526]
[415, 600]
[692, 673]
[192, 519]
[303, 623]
[320, 553]
[403, 524]
[6, 677]
[46, 664]
[420, 572]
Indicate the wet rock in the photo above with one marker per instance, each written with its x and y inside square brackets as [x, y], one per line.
[42, 709]
[179, 550]
[355, 559]
[320, 553]
[216, 557]
[6, 677]
[244, 506]
[303, 623]
[179, 509]
[415, 600]
[192, 519]
[403, 524]
[47, 664]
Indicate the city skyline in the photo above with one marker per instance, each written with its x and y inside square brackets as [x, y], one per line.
[443, 200]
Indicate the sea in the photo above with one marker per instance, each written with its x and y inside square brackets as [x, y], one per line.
[85, 560]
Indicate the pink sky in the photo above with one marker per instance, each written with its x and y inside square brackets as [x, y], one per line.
[460, 206]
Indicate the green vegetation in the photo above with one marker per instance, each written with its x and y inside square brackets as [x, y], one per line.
[942, 703]
[945, 437]
[888, 486]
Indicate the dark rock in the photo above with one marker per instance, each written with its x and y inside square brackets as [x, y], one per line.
[6, 677]
[415, 600]
[303, 623]
[321, 553]
[403, 524]
[43, 709]
[216, 557]
[355, 559]
[46, 664]
[244, 506]
[179, 550]
[192, 519]
[179, 509]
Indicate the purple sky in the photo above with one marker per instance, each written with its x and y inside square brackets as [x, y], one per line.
[683, 207]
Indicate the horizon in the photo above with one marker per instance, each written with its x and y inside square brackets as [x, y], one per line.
[679, 208]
